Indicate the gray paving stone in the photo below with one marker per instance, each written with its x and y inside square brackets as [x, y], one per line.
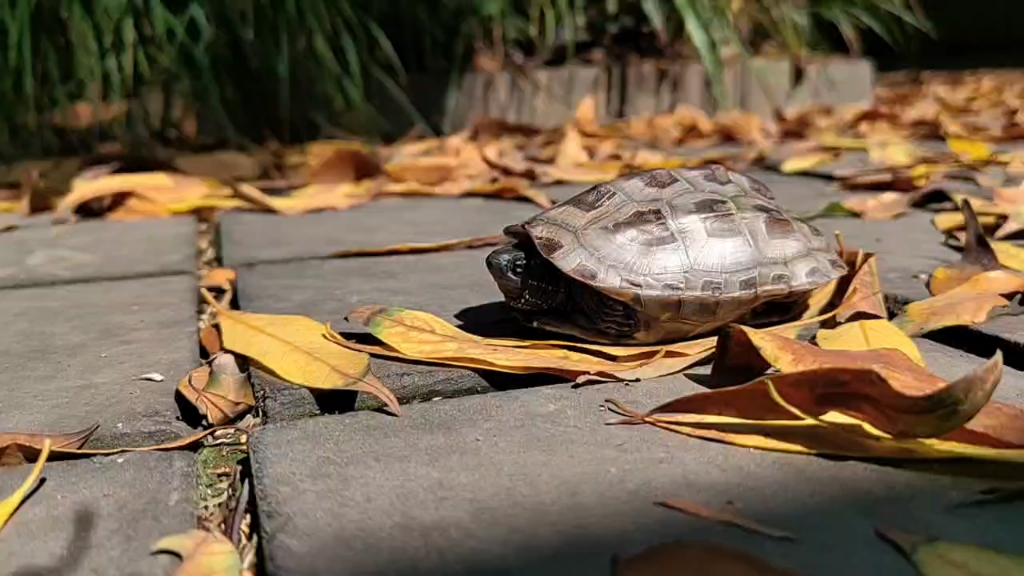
[99, 516]
[37, 254]
[250, 238]
[448, 284]
[71, 354]
[533, 482]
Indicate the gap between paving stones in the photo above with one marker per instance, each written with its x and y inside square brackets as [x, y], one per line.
[225, 501]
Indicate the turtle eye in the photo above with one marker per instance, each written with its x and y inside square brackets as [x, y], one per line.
[517, 267]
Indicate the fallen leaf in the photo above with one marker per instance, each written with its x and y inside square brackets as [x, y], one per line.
[349, 162]
[977, 257]
[769, 414]
[423, 170]
[972, 302]
[221, 392]
[202, 553]
[904, 401]
[419, 248]
[17, 449]
[725, 517]
[893, 153]
[209, 337]
[152, 377]
[218, 278]
[679, 557]
[934, 557]
[571, 151]
[884, 206]
[807, 162]
[970, 150]
[427, 337]
[863, 296]
[869, 335]
[10, 504]
[295, 349]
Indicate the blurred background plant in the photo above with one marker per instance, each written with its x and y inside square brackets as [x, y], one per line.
[77, 73]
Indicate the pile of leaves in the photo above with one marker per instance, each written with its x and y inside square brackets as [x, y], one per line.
[500, 159]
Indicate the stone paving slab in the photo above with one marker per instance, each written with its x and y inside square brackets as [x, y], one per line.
[444, 283]
[532, 482]
[248, 238]
[99, 516]
[71, 356]
[37, 254]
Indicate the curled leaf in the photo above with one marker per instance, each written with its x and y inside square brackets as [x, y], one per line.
[202, 553]
[10, 504]
[977, 257]
[221, 392]
[934, 557]
[905, 400]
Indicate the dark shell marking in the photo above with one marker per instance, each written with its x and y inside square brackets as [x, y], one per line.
[685, 247]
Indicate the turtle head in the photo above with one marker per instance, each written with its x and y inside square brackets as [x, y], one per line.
[526, 279]
[506, 265]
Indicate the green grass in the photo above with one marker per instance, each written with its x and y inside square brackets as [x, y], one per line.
[291, 70]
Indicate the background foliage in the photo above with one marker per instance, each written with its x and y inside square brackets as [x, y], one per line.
[289, 70]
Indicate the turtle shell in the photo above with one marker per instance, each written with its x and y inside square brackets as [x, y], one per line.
[699, 245]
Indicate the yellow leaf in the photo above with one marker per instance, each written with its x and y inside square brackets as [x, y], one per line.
[11, 503]
[868, 335]
[954, 220]
[427, 337]
[202, 553]
[893, 153]
[970, 150]
[805, 162]
[969, 303]
[571, 151]
[1009, 255]
[295, 349]
[934, 557]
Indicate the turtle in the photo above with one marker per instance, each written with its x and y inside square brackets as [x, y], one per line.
[662, 255]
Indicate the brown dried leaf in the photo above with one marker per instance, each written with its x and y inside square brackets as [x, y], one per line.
[218, 278]
[209, 337]
[571, 151]
[9, 441]
[419, 248]
[671, 558]
[221, 392]
[905, 400]
[977, 257]
[725, 517]
[348, 162]
[25, 448]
